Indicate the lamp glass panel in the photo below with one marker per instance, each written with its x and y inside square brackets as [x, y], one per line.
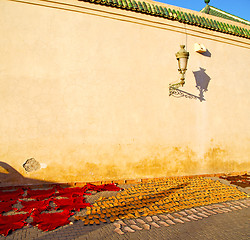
[183, 63]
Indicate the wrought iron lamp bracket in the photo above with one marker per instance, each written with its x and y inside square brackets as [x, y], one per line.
[176, 92]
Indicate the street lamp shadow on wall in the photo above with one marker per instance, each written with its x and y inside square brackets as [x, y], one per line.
[201, 78]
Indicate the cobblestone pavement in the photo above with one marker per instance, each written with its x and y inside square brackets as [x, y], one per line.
[232, 225]
[225, 218]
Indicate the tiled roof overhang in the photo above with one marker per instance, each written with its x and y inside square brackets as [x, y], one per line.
[175, 15]
[222, 14]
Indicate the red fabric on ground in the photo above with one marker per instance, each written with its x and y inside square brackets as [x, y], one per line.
[104, 187]
[34, 205]
[6, 206]
[64, 204]
[4, 229]
[79, 200]
[50, 221]
[40, 194]
[79, 190]
[79, 203]
[11, 195]
[71, 192]
[240, 180]
[71, 204]
[74, 192]
[12, 222]
[46, 221]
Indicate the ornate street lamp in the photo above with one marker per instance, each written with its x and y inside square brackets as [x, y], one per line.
[182, 58]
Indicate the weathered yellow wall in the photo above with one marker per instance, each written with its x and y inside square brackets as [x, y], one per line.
[86, 93]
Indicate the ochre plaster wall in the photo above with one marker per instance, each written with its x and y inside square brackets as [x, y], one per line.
[87, 95]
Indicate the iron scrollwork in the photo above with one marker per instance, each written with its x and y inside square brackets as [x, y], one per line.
[175, 92]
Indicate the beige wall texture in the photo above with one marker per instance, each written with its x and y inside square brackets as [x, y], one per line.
[84, 89]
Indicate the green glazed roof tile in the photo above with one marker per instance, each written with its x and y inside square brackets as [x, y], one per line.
[166, 14]
[216, 25]
[140, 6]
[153, 10]
[241, 32]
[174, 14]
[236, 30]
[245, 32]
[198, 20]
[125, 4]
[212, 23]
[130, 5]
[182, 16]
[189, 18]
[221, 27]
[204, 22]
[207, 23]
[145, 7]
[192, 19]
[157, 10]
[149, 8]
[201, 21]
[248, 33]
[170, 13]
[230, 29]
[161, 11]
[109, 2]
[178, 15]
[225, 26]
[134, 5]
[119, 3]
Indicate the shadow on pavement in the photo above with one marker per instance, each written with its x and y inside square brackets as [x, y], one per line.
[79, 229]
